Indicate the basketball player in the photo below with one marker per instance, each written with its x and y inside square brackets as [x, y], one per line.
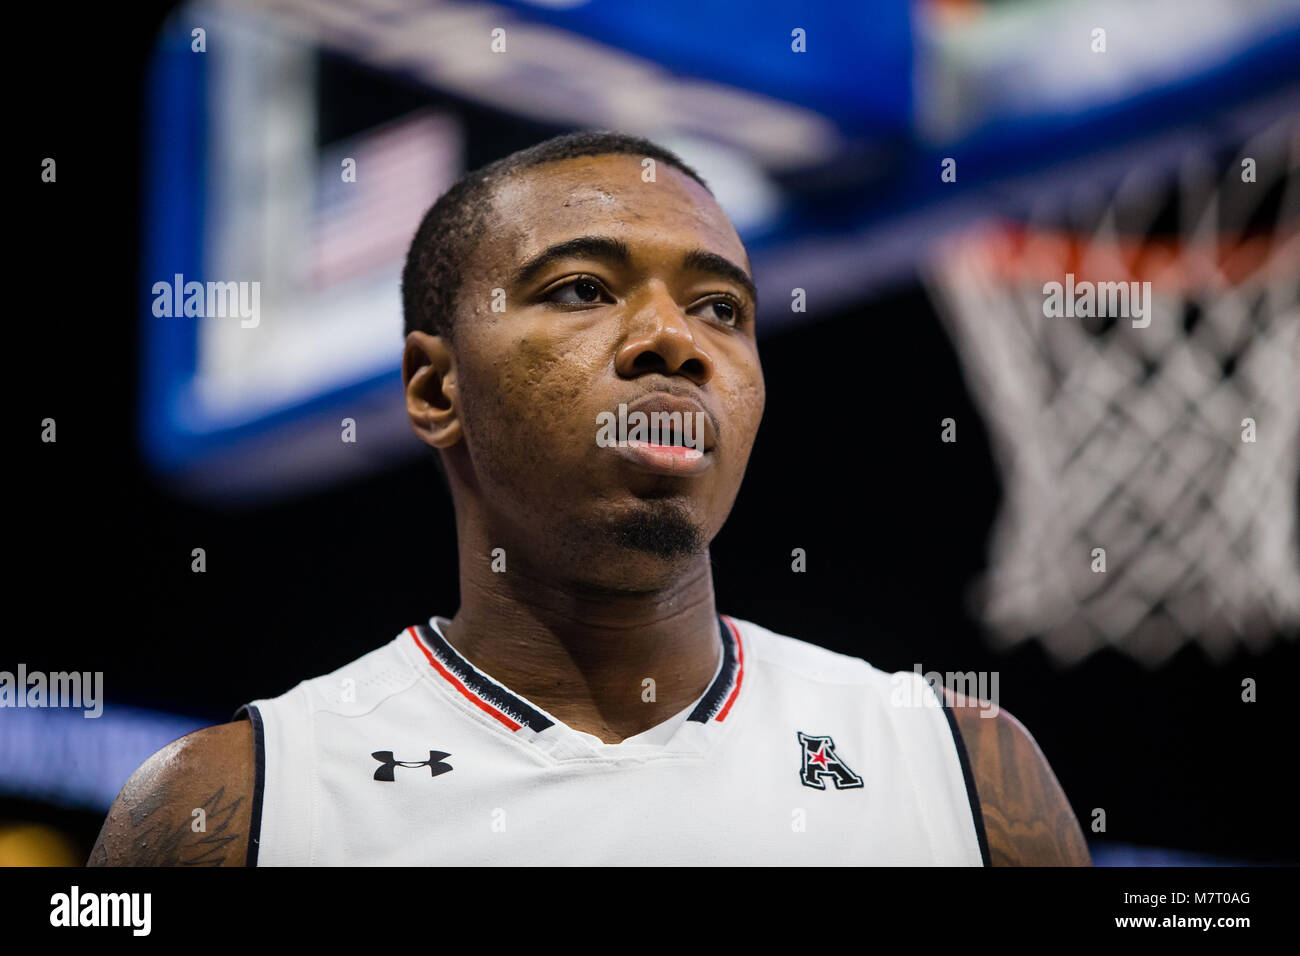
[587, 704]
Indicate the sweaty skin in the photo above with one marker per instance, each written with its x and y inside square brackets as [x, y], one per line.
[636, 288]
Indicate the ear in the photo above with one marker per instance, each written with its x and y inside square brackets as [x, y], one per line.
[429, 379]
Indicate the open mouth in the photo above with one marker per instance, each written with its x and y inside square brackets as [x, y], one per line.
[673, 422]
[663, 434]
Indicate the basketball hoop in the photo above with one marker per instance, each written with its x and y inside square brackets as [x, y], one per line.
[1134, 439]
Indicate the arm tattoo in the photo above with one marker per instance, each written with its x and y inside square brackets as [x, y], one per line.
[162, 842]
[154, 837]
[1027, 817]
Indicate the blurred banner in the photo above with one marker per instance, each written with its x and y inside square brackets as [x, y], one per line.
[61, 757]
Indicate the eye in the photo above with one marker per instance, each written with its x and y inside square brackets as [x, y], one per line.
[725, 310]
[580, 290]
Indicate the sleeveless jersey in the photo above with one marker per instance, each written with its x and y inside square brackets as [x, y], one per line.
[794, 755]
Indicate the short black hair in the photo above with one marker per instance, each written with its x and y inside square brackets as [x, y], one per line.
[451, 229]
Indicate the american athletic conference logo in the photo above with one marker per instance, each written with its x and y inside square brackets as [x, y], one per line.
[434, 763]
[820, 760]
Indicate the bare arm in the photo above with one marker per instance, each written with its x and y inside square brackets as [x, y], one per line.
[153, 823]
[1027, 817]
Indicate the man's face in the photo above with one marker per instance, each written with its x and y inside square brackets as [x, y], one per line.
[649, 307]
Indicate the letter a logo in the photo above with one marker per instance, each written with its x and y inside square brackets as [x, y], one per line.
[819, 760]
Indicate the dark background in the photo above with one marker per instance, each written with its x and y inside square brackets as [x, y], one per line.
[848, 465]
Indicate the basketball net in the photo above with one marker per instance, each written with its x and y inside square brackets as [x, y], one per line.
[1131, 439]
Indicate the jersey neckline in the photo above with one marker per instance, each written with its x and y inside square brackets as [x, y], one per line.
[516, 714]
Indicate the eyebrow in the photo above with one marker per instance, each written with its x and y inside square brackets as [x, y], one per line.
[616, 252]
[711, 262]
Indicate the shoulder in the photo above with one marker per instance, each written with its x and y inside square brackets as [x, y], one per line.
[190, 804]
[1027, 818]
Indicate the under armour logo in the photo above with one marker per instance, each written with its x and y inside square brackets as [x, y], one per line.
[819, 760]
[385, 757]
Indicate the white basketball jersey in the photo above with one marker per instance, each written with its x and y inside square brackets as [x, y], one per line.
[795, 755]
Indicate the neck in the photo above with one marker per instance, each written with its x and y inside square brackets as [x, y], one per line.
[584, 654]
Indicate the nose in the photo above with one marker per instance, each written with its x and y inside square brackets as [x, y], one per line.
[660, 339]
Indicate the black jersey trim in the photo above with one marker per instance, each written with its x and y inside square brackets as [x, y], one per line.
[259, 781]
[478, 683]
[972, 794]
[721, 687]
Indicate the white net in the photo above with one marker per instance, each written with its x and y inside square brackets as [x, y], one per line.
[1133, 439]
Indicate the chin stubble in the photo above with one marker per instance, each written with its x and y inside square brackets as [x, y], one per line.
[667, 531]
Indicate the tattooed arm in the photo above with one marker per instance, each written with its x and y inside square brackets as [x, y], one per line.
[153, 823]
[1026, 814]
